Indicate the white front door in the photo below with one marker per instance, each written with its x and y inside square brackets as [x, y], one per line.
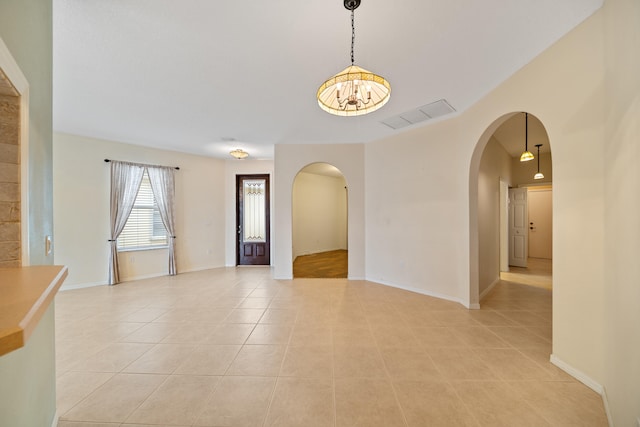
[518, 227]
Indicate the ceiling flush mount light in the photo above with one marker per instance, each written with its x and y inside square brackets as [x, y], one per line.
[526, 154]
[353, 91]
[239, 154]
[539, 174]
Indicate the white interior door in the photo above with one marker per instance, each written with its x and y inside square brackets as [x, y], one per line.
[540, 223]
[518, 227]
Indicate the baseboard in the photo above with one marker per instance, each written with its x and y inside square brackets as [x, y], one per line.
[132, 279]
[489, 288]
[422, 292]
[586, 380]
[56, 417]
[81, 286]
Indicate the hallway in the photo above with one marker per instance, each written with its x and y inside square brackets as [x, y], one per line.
[538, 273]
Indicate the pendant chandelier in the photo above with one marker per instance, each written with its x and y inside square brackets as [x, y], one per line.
[526, 154]
[353, 91]
[539, 174]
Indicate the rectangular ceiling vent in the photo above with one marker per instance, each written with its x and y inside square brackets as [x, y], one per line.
[420, 114]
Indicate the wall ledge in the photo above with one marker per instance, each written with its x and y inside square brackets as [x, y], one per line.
[25, 295]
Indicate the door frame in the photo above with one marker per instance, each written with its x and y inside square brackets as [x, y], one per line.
[239, 179]
[504, 226]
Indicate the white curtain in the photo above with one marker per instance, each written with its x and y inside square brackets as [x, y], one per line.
[125, 182]
[163, 187]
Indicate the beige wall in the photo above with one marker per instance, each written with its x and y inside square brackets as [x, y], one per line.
[81, 194]
[620, 335]
[319, 216]
[417, 209]
[289, 160]
[495, 165]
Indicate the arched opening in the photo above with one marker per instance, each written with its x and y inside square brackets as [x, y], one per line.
[506, 198]
[511, 206]
[319, 222]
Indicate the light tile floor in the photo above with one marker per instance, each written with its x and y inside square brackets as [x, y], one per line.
[233, 347]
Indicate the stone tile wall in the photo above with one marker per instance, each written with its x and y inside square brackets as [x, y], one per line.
[10, 246]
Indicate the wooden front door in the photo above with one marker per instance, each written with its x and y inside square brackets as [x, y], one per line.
[252, 220]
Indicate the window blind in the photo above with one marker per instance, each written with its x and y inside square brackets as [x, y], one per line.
[144, 228]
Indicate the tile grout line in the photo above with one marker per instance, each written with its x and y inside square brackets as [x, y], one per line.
[386, 370]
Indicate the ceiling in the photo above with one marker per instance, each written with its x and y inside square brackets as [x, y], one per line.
[208, 76]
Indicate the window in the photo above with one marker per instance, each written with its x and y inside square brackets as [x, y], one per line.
[144, 228]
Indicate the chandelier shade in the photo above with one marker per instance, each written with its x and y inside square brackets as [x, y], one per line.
[353, 91]
[239, 154]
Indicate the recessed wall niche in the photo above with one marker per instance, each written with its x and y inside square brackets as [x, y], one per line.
[10, 244]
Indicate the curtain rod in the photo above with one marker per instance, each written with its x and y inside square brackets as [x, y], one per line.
[142, 164]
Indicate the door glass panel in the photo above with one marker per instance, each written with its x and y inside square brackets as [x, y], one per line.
[254, 210]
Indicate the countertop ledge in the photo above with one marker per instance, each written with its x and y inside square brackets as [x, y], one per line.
[25, 295]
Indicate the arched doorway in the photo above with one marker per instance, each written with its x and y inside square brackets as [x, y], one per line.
[319, 222]
[510, 206]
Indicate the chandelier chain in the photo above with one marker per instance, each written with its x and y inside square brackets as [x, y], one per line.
[353, 32]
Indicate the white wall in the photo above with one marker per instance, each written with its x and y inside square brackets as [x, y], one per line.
[319, 214]
[232, 168]
[620, 335]
[416, 210]
[81, 220]
[289, 160]
[495, 164]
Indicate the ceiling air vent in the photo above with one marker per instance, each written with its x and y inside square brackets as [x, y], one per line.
[420, 114]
